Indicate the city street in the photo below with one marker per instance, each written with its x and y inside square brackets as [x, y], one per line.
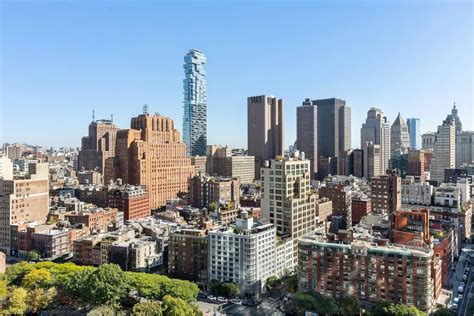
[468, 293]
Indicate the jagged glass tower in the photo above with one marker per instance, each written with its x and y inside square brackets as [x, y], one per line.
[195, 103]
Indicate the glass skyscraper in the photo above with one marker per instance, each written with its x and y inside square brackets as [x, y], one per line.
[414, 132]
[195, 103]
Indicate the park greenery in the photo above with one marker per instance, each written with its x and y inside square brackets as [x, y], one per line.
[349, 305]
[226, 289]
[30, 288]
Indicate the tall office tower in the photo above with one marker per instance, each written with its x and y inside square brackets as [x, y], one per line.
[287, 200]
[416, 163]
[444, 153]
[151, 153]
[386, 193]
[371, 160]
[345, 163]
[358, 160]
[376, 129]
[98, 146]
[307, 133]
[414, 132]
[334, 127]
[428, 140]
[399, 137]
[464, 148]
[264, 129]
[195, 103]
[24, 199]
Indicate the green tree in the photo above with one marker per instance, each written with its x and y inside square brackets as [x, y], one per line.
[443, 311]
[173, 306]
[273, 281]
[33, 255]
[17, 301]
[3, 290]
[106, 285]
[15, 273]
[40, 299]
[291, 283]
[150, 308]
[350, 305]
[230, 289]
[147, 285]
[390, 309]
[38, 278]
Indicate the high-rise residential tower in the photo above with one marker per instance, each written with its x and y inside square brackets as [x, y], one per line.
[195, 103]
[334, 127]
[414, 132]
[444, 153]
[287, 200]
[307, 133]
[376, 129]
[264, 129]
[152, 154]
[98, 146]
[399, 137]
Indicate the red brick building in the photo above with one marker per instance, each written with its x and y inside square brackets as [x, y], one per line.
[133, 201]
[361, 206]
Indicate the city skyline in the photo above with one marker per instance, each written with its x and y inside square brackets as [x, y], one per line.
[111, 82]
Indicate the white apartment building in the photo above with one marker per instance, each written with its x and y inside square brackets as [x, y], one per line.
[247, 253]
[417, 193]
[6, 168]
[287, 200]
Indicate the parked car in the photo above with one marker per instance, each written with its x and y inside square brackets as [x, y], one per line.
[455, 306]
[468, 270]
[236, 301]
[464, 277]
[221, 299]
[460, 290]
[460, 296]
[212, 298]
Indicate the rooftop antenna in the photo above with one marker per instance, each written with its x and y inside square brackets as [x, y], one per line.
[93, 115]
[111, 118]
[145, 108]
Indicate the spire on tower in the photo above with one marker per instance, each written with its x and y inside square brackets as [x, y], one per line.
[111, 118]
[93, 115]
[145, 108]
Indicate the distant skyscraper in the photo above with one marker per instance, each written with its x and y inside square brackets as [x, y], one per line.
[264, 129]
[334, 127]
[414, 132]
[98, 145]
[195, 103]
[376, 129]
[399, 137]
[307, 133]
[444, 153]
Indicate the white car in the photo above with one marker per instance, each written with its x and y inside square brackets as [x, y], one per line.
[212, 298]
[455, 306]
[236, 302]
[459, 296]
[222, 299]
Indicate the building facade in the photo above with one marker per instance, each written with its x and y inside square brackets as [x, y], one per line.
[151, 154]
[264, 129]
[414, 132]
[23, 199]
[399, 136]
[386, 193]
[133, 201]
[195, 103]
[444, 152]
[376, 129]
[98, 145]
[307, 133]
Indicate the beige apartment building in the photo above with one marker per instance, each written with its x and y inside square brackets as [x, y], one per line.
[287, 200]
[24, 199]
[152, 154]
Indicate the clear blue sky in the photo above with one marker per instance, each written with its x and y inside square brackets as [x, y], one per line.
[61, 59]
